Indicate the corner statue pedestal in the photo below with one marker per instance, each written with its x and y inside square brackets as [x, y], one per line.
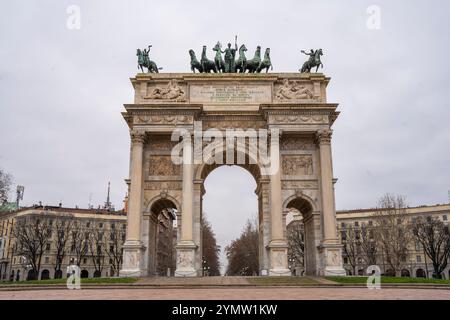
[332, 259]
[186, 260]
[132, 260]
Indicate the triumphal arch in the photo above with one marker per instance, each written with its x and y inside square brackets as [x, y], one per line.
[179, 127]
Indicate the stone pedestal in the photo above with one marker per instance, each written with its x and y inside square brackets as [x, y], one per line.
[332, 259]
[278, 259]
[133, 259]
[186, 259]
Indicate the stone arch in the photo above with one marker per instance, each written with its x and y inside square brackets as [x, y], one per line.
[84, 274]
[45, 274]
[159, 240]
[405, 273]
[311, 223]
[420, 273]
[256, 169]
[300, 201]
[159, 200]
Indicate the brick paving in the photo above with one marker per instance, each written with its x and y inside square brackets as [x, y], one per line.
[229, 293]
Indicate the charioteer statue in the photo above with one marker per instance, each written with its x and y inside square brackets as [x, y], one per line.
[145, 62]
[229, 64]
[313, 61]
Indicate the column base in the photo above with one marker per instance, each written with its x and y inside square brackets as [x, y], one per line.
[278, 258]
[133, 259]
[331, 256]
[186, 259]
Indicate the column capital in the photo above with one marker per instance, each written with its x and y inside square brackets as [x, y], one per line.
[324, 136]
[137, 136]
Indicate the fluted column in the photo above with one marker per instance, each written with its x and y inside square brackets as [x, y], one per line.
[276, 210]
[186, 247]
[187, 197]
[326, 173]
[330, 248]
[133, 260]
[135, 206]
[278, 244]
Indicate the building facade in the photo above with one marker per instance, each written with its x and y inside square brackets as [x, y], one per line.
[416, 264]
[102, 228]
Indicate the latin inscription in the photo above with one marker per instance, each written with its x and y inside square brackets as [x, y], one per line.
[230, 93]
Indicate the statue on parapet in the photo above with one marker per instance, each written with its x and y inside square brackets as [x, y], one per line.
[145, 62]
[313, 61]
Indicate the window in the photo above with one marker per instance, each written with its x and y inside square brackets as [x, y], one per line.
[444, 217]
[345, 260]
[343, 235]
[370, 223]
[47, 259]
[343, 225]
[88, 224]
[418, 258]
[111, 249]
[84, 260]
[113, 226]
[124, 226]
[100, 225]
[356, 223]
[47, 247]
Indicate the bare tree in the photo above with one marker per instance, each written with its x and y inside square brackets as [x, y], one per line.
[96, 244]
[350, 240]
[434, 237]
[63, 226]
[242, 253]
[116, 238]
[32, 234]
[210, 249]
[296, 243]
[393, 233]
[5, 185]
[368, 245]
[80, 241]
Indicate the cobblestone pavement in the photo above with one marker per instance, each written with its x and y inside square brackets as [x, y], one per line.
[230, 294]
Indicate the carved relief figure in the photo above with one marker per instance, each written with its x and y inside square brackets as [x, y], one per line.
[184, 259]
[163, 166]
[172, 91]
[297, 165]
[293, 90]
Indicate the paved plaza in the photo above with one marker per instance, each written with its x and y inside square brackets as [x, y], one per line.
[229, 293]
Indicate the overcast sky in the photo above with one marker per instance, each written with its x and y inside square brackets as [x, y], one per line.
[62, 91]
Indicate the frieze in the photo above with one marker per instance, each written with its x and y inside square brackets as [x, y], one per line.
[162, 185]
[166, 119]
[300, 185]
[293, 118]
[297, 143]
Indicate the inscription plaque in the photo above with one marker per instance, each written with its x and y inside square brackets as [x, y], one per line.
[229, 93]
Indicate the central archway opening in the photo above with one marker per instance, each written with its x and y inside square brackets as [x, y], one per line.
[230, 205]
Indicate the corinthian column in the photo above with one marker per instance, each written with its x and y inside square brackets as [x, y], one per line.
[278, 244]
[186, 247]
[326, 173]
[133, 248]
[330, 248]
